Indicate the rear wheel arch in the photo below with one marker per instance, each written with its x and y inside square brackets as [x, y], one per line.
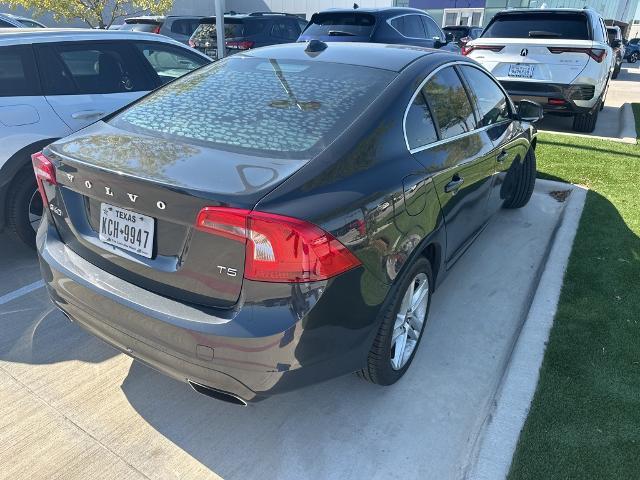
[12, 168]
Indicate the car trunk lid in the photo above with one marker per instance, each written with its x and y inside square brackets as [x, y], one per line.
[553, 61]
[169, 182]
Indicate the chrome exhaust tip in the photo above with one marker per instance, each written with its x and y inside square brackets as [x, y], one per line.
[217, 394]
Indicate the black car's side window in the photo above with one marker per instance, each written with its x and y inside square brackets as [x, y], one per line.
[419, 127]
[18, 74]
[91, 68]
[491, 102]
[409, 25]
[286, 30]
[433, 31]
[450, 103]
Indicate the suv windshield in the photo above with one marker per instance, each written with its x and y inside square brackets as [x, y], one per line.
[233, 28]
[341, 24]
[539, 25]
[258, 106]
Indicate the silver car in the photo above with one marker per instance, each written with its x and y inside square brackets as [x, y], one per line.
[56, 81]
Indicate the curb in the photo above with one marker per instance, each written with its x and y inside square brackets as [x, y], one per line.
[499, 438]
[627, 133]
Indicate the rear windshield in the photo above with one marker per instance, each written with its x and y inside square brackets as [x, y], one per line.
[571, 26]
[341, 24]
[292, 109]
[140, 27]
[232, 29]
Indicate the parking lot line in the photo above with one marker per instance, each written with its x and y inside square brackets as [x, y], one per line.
[21, 291]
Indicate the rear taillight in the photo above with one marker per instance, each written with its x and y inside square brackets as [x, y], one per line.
[45, 172]
[242, 45]
[598, 54]
[156, 29]
[467, 49]
[279, 248]
[556, 101]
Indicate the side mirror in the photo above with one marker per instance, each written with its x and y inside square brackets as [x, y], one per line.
[616, 44]
[439, 42]
[529, 111]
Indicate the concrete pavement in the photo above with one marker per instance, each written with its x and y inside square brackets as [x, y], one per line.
[72, 407]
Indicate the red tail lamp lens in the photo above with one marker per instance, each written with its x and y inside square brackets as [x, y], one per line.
[279, 248]
[467, 49]
[44, 171]
[243, 45]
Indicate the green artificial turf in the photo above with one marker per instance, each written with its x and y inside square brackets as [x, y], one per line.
[584, 421]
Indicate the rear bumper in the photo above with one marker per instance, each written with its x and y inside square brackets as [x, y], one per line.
[280, 338]
[578, 98]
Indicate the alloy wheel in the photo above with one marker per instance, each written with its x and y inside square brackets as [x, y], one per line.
[409, 321]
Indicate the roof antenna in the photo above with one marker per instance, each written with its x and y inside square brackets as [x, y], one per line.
[355, 6]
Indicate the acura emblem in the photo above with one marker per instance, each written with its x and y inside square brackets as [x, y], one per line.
[524, 52]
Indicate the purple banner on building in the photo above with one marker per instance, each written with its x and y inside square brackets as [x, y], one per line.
[427, 4]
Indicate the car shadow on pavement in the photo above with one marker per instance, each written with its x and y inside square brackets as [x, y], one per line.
[319, 431]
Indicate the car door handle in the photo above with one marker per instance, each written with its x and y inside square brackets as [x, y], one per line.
[454, 185]
[86, 114]
[502, 156]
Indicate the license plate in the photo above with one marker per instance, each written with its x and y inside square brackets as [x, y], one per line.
[211, 52]
[125, 229]
[521, 70]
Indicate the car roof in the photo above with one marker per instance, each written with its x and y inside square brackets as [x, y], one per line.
[14, 36]
[378, 11]
[536, 11]
[147, 18]
[375, 55]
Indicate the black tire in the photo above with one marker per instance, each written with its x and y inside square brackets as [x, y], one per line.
[379, 369]
[523, 182]
[23, 190]
[616, 71]
[586, 122]
[633, 58]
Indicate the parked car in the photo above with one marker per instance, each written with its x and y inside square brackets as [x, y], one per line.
[392, 25]
[461, 34]
[56, 81]
[560, 58]
[244, 31]
[614, 35]
[8, 20]
[289, 228]
[178, 27]
[632, 50]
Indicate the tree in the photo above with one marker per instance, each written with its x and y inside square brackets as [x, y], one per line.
[95, 13]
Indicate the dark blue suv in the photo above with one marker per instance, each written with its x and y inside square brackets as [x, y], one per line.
[408, 26]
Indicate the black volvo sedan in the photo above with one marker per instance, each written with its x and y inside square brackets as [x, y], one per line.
[281, 217]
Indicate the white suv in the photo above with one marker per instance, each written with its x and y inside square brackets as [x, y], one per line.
[559, 58]
[56, 81]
